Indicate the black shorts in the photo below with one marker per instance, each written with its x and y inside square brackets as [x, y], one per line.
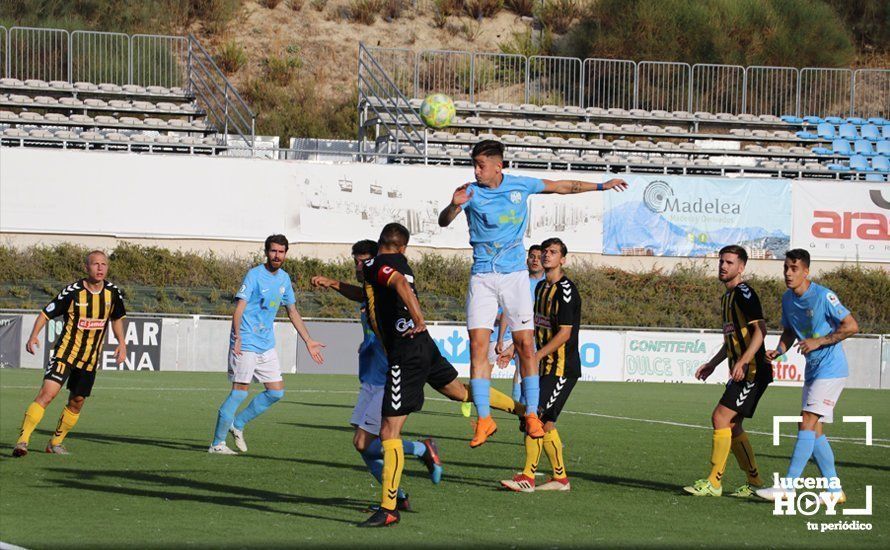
[413, 363]
[80, 381]
[742, 397]
[555, 391]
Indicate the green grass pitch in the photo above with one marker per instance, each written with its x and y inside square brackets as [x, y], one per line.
[140, 476]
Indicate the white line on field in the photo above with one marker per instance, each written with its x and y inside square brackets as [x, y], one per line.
[854, 440]
[7, 546]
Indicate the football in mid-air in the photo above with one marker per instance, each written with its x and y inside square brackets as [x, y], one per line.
[437, 110]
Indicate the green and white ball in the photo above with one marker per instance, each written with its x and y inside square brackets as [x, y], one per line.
[437, 110]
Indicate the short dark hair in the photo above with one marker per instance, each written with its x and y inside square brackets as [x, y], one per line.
[394, 234]
[737, 250]
[488, 148]
[366, 246]
[277, 239]
[534, 247]
[798, 254]
[555, 241]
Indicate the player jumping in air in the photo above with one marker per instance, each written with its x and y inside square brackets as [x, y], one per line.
[815, 317]
[252, 354]
[372, 368]
[496, 205]
[744, 330]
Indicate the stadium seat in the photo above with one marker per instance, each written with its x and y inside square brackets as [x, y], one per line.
[847, 131]
[885, 131]
[855, 120]
[822, 150]
[836, 120]
[881, 164]
[879, 121]
[812, 119]
[71, 102]
[875, 177]
[791, 119]
[859, 163]
[841, 147]
[769, 118]
[870, 132]
[838, 167]
[106, 87]
[825, 130]
[863, 147]
[783, 134]
[883, 148]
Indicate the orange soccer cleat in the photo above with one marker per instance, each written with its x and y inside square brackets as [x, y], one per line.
[484, 428]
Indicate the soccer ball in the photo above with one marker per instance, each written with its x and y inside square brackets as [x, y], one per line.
[437, 110]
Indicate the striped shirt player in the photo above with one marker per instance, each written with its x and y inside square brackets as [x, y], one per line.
[88, 306]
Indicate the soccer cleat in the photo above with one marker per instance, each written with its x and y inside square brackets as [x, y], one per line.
[534, 428]
[703, 488]
[466, 409]
[825, 495]
[745, 491]
[238, 435]
[520, 483]
[432, 461]
[56, 449]
[21, 449]
[381, 518]
[555, 485]
[402, 505]
[774, 493]
[483, 429]
[221, 449]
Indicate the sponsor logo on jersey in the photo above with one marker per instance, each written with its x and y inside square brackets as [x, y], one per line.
[90, 324]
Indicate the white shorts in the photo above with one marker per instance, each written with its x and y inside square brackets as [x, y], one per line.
[254, 367]
[368, 409]
[488, 291]
[820, 396]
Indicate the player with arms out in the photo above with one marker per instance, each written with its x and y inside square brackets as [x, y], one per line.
[372, 368]
[252, 354]
[557, 324]
[496, 205]
[744, 330]
[88, 306]
[414, 359]
[815, 317]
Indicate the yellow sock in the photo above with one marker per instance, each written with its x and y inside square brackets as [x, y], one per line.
[393, 461]
[719, 454]
[744, 454]
[66, 422]
[33, 415]
[553, 448]
[532, 455]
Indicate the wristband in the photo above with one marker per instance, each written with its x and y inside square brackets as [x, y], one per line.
[599, 187]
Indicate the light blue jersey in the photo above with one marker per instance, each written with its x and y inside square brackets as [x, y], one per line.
[816, 314]
[533, 284]
[498, 219]
[264, 293]
[372, 362]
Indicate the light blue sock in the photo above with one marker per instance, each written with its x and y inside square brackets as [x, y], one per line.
[825, 458]
[481, 388]
[413, 448]
[227, 414]
[531, 389]
[517, 391]
[803, 450]
[258, 406]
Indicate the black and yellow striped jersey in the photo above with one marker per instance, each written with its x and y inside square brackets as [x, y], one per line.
[558, 305]
[741, 311]
[87, 315]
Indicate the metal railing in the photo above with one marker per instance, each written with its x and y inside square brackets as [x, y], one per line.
[626, 84]
[99, 57]
[3, 61]
[159, 60]
[33, 53]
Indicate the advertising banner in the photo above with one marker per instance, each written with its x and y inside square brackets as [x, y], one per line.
[141, 334]
[843, 220]
[10, 341]
[670, 356]
[692, 216]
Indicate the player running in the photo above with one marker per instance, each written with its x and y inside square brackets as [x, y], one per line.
[497, 214]
[372, 368]
[815, 317]
[414, 359]
[88, 306]
[744, 330]
[557, 323]
[252, 354]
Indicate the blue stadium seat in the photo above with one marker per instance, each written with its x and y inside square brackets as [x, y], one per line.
[870, 132]
[834, 120]
[863, 147]
[885, 131]
[856, 120]
[875, 177]
[841, 147]
[881, 164]
[812, 119]
[790, 119]
[883, 148]
[859, 163]
[848, 131]
[822, 151]
[880, 121]
[805, 135]
[838, 167]
[825, 130]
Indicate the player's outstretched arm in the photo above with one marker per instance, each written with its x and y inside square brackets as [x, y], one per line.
[785, 343]
[120, 352]
[847, 328]
[570, 187]
[312, 346]
[403, 288]
[704, 371]
[461, 197]
[348, 291]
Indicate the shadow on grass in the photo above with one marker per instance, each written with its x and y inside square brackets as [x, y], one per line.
[162, 485]
[405, 434]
